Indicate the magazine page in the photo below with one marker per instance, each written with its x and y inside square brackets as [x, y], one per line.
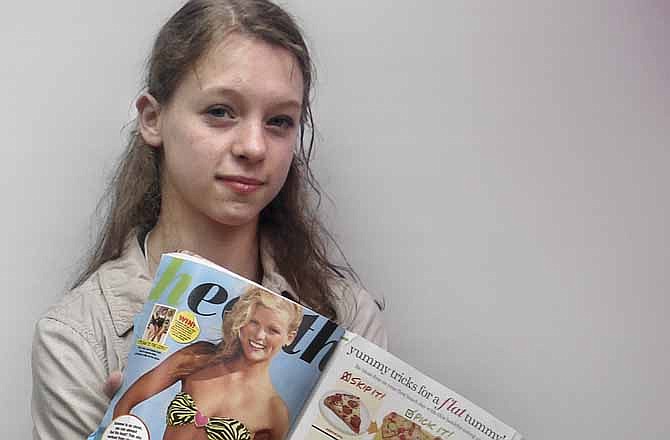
[367, 393]
[216, 356]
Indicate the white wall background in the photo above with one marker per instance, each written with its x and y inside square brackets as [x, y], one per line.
[499, 171]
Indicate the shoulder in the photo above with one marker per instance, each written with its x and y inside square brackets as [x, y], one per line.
[279, 413]
[278, 406]
[197, 348]
[118, 288]
[190, 359]
[186, 356]
[101, 309]
[82, 314]
[359, 311]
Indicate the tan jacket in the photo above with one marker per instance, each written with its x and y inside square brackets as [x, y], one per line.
[87, 335]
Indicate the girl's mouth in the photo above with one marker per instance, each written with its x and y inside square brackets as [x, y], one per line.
[241, 184]
[256, 345]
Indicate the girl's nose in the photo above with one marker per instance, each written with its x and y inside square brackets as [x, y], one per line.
[251, 144]
[260, 333]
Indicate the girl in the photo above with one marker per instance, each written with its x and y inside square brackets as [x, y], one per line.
[219, 165]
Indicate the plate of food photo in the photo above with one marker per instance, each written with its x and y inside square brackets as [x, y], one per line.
[396, 427]
[345, 412]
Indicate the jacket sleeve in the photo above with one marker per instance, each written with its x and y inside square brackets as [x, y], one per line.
[365, 318]
[68, 375]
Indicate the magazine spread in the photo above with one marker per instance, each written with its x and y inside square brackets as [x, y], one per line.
[215, 355]
[367, 393]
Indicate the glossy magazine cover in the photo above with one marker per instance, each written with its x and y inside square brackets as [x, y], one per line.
[216, 356]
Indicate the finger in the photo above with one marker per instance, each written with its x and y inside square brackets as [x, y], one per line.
[187, 252]
[113, 383]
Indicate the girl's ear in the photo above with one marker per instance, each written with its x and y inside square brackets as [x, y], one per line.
[290, 337]
[149, 120]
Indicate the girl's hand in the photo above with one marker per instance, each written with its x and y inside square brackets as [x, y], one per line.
[113, 383]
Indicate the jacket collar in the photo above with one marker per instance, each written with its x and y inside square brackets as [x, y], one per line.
[125, 282]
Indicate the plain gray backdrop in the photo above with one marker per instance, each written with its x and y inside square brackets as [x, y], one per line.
[498, 172]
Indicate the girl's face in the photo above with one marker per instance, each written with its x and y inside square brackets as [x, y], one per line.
[229, 131]
[265, 333]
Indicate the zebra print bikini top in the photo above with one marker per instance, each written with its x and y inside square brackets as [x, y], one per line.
[182, 411]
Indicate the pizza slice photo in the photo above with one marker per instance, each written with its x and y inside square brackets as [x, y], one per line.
[346, 408]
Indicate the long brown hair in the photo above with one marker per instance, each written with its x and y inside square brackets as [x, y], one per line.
[290, 224]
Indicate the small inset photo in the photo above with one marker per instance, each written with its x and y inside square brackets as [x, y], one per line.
[159, 323]
[396, 427]
[345, 412]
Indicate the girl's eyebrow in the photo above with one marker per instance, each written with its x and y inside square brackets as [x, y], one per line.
[285, 103]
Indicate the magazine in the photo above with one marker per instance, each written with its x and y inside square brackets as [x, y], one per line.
[216, 356]
[367, 393]
[193, 304]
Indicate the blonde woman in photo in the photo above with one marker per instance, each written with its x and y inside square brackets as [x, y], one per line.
[226, 390]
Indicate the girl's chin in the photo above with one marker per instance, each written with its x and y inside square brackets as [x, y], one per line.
[255, 355]
[237, 215]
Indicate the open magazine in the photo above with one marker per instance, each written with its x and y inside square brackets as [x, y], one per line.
[367, 393]
[216, 356]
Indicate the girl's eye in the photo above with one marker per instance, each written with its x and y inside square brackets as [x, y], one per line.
[220, 112]
[284, 122]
